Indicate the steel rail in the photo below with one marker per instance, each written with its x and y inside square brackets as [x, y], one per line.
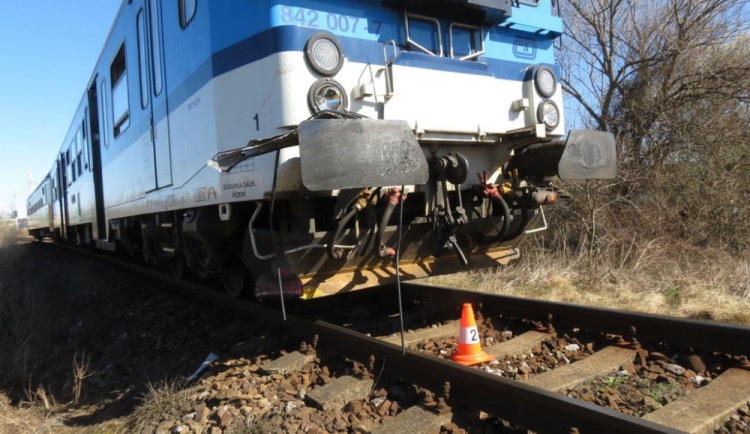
[687, 333]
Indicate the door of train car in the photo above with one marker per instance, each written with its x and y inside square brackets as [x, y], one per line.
[153, 87]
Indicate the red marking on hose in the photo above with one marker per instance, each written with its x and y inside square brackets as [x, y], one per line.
[488, 189]
[393, 195]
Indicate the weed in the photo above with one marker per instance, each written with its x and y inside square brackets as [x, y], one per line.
[672, 295]
[81, 371]
[659, 391]
[613, 381]
[163, 401]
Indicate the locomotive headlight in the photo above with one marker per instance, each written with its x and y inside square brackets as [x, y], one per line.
[545, 81]
[548, 114]
[327, 94]
[324, 54]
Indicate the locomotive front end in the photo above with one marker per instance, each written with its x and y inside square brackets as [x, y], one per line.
[427, 129]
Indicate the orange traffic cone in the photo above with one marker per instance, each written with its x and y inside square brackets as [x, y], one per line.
[469, 348]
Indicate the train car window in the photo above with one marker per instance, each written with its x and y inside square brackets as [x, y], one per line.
[68, 174]
[103, 114]
[120, 105]
[187, 12]
[79, 150]
[70, 167]
[527, 2]
[142, 66]
[466, 42]
[85, 141]
[73, 160]
[156, 47]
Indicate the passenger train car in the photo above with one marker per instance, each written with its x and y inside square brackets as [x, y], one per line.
[280, 142]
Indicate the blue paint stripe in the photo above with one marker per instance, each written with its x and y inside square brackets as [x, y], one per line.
[292, 38]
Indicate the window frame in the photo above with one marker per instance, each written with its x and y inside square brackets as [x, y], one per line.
[120, 124]
[79, 150]
[85, 139]
[104, 127]
[68, 168]
[421, 20]
[140, 26]
[157, 81]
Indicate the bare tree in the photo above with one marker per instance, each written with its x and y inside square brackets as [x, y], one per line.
[671, 80]
[631, 64]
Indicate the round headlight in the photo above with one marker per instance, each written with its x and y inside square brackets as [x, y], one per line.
[548, 114]
[545, 81]
[327, 94]
[324, 54]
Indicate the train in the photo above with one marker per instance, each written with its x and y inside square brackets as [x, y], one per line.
[303, 148]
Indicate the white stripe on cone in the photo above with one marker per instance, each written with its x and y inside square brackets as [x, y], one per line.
[468, 335]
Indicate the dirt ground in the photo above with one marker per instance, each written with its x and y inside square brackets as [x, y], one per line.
[80, 344]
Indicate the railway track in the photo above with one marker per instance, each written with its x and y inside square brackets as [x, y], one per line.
[547, 353]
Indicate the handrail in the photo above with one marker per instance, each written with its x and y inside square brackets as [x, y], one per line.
[409, 40]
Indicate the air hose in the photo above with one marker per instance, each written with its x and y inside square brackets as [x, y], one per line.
[333, 252]
[393, 199]
[501, 232]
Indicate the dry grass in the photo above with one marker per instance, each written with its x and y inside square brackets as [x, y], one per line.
[165, 401]
[660, 279]
[23, 420]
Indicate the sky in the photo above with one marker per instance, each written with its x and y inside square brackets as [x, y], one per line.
[48, 49]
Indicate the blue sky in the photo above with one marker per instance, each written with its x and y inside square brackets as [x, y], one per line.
[48, 50]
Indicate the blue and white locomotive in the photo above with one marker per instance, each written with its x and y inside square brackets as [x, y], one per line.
[300, 136]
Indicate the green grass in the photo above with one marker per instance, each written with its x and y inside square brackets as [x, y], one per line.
[659, 391]
[672, 296]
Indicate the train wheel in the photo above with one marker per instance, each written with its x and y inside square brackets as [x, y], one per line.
[235, 278]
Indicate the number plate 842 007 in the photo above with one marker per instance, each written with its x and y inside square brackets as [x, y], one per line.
[334, 23]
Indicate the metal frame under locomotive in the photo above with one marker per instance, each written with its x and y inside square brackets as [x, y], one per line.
[225, 137]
